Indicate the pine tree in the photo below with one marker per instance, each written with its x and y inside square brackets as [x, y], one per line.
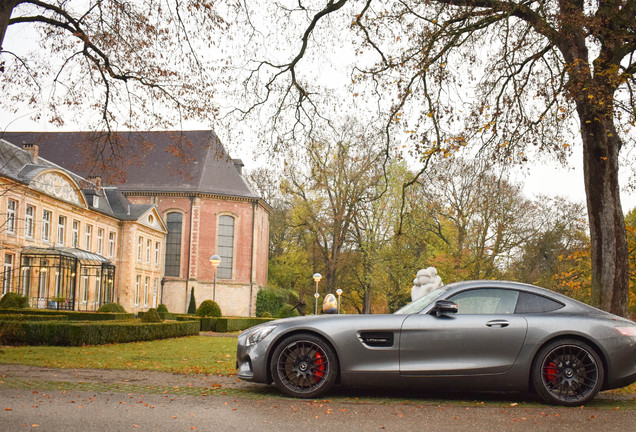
[192, 307]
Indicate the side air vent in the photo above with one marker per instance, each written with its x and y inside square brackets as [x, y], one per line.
[377, 339]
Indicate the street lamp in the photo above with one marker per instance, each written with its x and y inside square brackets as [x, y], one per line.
[317, 277]
[215, 260]
[339, 292]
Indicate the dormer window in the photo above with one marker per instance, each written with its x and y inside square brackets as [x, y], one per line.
[95, 201]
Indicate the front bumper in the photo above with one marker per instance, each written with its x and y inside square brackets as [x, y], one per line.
[251, 361]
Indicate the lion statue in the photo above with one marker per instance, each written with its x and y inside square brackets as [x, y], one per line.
[425, 281]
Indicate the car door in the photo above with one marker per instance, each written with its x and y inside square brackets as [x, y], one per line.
[484, 337]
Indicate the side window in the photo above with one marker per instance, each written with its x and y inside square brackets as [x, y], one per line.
[225, 244]
[486, 301]
[532, 303]
[173, 244]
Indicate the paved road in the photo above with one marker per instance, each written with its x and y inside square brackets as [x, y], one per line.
[56, 400]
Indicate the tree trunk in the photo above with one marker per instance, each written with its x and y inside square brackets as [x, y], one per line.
[6, 7]
[610, 265]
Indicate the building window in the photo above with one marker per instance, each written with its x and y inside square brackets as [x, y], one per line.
[225, 245]
[137, 283]
[111, 244]
[154, 292]
[46, 225]
[11, 206]
[88, 240]
[84, 285]
[75, 237]
[100, 241]
[146, 286]
[98, 289]
[140, 245]
[57, 284]
[7, 279]
[61, 229]
[173, 244]
[26, 278]
[28, 221]
[157, 253]
[148, 249]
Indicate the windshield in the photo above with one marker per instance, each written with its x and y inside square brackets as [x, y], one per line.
[422, 302]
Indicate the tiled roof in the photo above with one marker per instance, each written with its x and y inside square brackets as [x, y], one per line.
[18, 164]
[205, 168]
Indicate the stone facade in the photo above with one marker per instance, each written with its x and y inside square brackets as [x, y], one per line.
[61, 242]
[209, 203]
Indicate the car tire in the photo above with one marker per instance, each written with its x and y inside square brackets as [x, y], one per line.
[304, 366]
[567, 372]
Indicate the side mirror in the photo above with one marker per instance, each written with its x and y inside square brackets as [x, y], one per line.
[445, 307]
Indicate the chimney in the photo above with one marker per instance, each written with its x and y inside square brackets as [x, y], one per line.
[33, 149]
[97, 180]
[238, 164]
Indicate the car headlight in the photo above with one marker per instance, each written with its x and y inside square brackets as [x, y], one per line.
[259, 334]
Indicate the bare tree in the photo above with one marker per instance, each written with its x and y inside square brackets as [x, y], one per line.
[112, 65]
[509, 76]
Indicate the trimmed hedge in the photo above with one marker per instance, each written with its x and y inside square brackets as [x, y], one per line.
[23, 317]
[73, 315]
[77, 334]
[205, 323]
[224, 324]
[236, 324]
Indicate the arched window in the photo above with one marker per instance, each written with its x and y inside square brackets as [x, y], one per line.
[173, 244]
[225, 244]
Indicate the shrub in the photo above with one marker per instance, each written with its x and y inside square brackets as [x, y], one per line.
[270, 300]
[237, 324]
[266, 315]
[151, 316]
[61, 333]
[192, 306]
[209, 308]
[287, 311]
[162, 308]
[111, 307]
[12, 300]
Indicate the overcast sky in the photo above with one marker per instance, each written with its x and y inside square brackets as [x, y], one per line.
[538, 177]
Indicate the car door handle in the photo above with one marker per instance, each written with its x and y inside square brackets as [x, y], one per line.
[498, 323]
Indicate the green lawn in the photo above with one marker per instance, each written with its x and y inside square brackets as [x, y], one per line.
[188, 355]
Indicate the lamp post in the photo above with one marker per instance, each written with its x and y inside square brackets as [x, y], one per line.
[339, 292]
[215, 260]
[317, 277]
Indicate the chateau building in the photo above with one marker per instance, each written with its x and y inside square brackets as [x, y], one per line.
[66, 242]
[201, 201]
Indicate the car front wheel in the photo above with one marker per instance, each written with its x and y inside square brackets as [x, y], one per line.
[567, 372]
[304, 365]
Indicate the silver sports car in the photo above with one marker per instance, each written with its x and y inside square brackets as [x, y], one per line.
[479, 335]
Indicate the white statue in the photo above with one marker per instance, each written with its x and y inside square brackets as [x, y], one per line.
[426, 281]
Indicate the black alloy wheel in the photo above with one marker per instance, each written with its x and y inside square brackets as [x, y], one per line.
[304, 365]
[567, 372]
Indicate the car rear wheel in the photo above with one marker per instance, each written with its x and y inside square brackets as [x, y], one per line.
[304, 365]
[567, 372]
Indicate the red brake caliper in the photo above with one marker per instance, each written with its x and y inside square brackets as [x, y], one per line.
[550, 372]
[320, 366]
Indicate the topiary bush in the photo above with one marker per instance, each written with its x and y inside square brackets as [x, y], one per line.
[192, 306]
[12, 300]
[271, 300]
[266, 315]
[151, 316]
[111, 307]
[209, 308]
[162, 308]
[287, 311]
